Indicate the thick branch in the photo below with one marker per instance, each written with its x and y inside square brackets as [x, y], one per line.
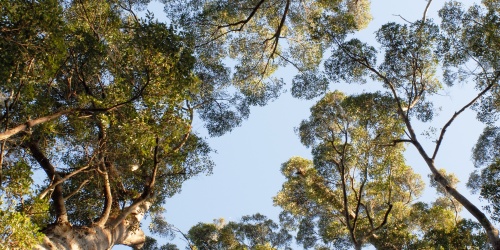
[30, 123]
[108, 199]
[491, 231]
[57, 195]
[104, 171]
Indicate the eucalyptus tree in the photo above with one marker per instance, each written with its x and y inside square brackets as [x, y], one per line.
[465, 45]
[259, 36]
[96, 121]
[251, 232]
[358, 183]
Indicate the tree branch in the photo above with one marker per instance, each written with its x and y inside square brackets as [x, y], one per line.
[443, 130]
[103, 168]
[57, 195]
[243, 22]
[30, 123]
[142, 199]
[425, 11]
[386, 215]
[60, 181]
[108, 197]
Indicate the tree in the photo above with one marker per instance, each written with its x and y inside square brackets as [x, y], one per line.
[101, 103]
[412, 53]
[261, 35]
[358, 183]
[252, 232]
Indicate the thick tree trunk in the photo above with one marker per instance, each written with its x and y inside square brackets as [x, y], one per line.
[128, 232]
[64, 236]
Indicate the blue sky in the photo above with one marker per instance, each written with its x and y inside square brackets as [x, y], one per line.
[248, 160]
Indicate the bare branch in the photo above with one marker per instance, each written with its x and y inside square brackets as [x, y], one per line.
[404, 19]
[103, 169]
[443, 130]
[425, 11]
[108, 197]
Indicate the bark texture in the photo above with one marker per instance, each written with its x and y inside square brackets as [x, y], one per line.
[127, 232]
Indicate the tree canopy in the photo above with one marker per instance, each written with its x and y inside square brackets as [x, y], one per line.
[100, 101]
[411, 55]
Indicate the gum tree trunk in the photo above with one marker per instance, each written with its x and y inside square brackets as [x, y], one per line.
[127, 232]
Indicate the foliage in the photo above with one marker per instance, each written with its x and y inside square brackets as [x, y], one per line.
[152, 244]
[358, 183]
[18, 231]
[465, 45]
[486, 155]
[252, 232]
[261, 35]
[102, 102]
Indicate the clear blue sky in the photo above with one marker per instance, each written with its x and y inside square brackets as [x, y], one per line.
[248, 160]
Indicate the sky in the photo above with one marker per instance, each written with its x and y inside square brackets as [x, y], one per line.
[248, 160]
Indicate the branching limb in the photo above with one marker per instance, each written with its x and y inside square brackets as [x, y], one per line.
[186, 238]
[31, 123]
[277, 34]
[386, 216]
[443, 130]
[61, 180]
[359, 195]
[57, 195]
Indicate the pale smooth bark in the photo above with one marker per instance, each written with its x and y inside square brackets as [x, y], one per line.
[66, 236]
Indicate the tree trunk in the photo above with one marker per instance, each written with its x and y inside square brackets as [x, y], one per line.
[358, 246]
[65, 236]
